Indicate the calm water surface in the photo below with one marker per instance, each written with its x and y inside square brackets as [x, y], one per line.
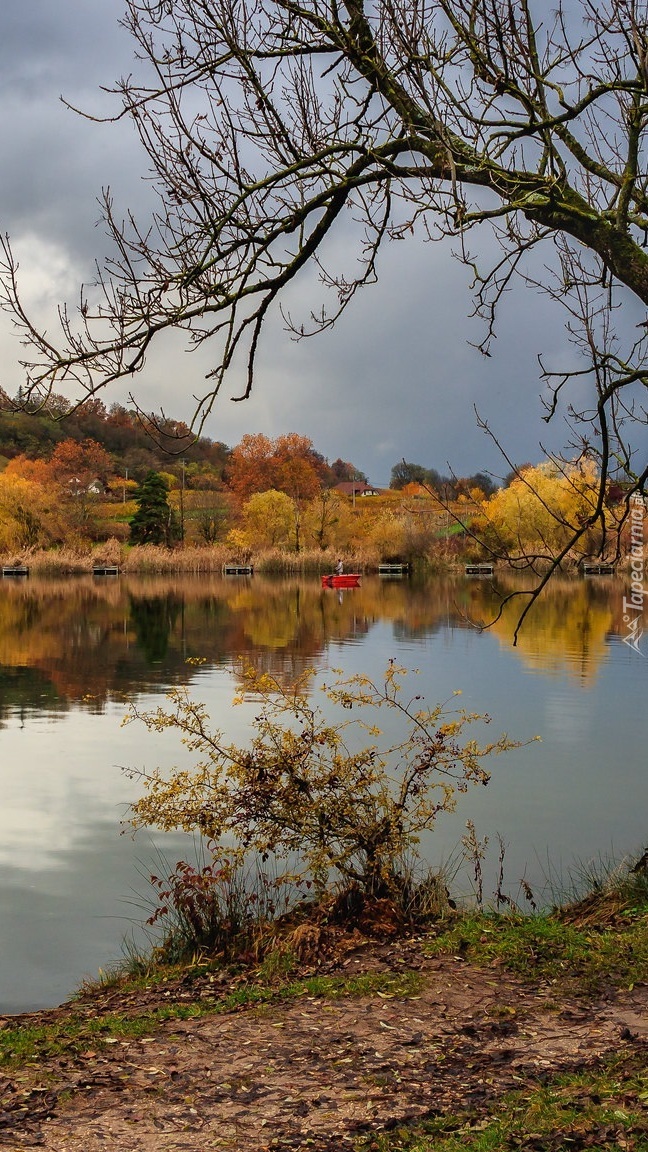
[74, 653]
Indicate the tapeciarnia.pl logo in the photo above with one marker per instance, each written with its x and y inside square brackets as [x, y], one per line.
[634, 604]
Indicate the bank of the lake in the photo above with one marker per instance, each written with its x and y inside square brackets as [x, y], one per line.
[483, 1032]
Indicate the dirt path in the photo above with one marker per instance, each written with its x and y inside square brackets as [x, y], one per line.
[317, 1073]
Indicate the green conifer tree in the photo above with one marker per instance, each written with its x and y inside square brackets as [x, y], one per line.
[155, 522]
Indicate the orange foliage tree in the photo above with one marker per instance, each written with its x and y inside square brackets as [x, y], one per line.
[67, 477]
[288, 464]
[69, 461]
[84, 461]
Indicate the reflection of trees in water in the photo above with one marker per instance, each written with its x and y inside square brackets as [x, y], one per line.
[93, 640]
[153, 619]
[24, 690]
[29, 616]
[569, 627]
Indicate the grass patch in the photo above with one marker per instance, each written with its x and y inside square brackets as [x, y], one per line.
[32, 1044]
[75, 1032]
[598, 1108]
[545, 948]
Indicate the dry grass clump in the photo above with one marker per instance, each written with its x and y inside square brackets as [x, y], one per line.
[217, 907]
[312, 561]
[276, 560]
[52, 562]
[12, 559]
[154, 558]
[110, 551]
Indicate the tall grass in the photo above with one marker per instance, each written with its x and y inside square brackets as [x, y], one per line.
[308, 561]
[150, 558]
[605, 876]
[154, 558]
[53, 562]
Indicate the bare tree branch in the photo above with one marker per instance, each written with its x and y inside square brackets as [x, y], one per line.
[264, 120]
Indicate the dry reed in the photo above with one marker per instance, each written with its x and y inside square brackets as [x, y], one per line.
[151, 558]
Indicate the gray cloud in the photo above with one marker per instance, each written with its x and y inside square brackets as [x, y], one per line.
[396, 378]
[56, 162]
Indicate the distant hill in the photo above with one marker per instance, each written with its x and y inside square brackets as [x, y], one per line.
[136, 443]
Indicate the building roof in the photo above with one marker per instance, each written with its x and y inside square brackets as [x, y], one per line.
[348, 487]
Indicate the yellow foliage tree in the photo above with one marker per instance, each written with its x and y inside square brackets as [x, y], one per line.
[29, 514]
[269, 520]
[388, 532]
[540, 510]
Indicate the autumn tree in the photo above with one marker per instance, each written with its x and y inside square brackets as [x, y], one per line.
[213, 522]
[288, 464]
[69, 463]
[482, 482]
[26, 434]
[344, 470]
[329, 522]
[68, 475]
[405, 473]
[30, 514]
[387, 533]
[27, 469]
[250, 466]
[444, 117]
[204, 477]
[268, 521]
[83, 462]
[300, 469]
[208, 515]
[541, 512]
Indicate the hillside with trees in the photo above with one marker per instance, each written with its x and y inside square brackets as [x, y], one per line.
[77, 478]
[135, 443]
[74, 475]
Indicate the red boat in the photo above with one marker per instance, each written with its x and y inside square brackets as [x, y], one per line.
[344, 580]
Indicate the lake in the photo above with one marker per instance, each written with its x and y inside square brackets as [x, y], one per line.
[73, 653]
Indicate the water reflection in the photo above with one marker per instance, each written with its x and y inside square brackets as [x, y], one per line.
[569, 628]
[153, 619]
[73, 652]
[88, 641]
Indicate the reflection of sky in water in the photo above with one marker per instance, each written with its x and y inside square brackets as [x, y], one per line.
[63, 922]
[579, 793]
[66, 874]
[567, 719]
[59, 777]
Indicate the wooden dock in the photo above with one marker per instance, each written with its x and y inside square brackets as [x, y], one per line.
[598, 569]
[479, 569]
[393, 569]
[15, 570]
[238, 570]
[105, 570]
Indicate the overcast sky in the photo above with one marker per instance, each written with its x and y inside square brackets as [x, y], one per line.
[396, 379]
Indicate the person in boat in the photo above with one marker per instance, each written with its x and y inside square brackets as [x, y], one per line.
[339, 567]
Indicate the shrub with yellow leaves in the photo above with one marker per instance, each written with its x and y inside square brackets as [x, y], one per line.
[347, 797]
